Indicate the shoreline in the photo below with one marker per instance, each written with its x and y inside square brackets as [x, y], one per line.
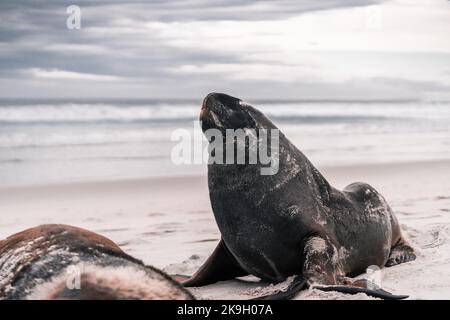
[326, 169]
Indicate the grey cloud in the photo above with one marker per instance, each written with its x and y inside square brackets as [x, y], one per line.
[176, 10]
[29, 29]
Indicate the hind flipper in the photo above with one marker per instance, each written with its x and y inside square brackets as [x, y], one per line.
[354, 286]
[220, 266]
[377, 293]
[300, 283]
[399, 254]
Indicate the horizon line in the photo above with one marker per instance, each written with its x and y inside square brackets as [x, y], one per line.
[195, 100]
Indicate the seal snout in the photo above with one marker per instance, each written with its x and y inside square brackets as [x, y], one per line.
[216, 100]
[214, 105]
[221, 111]
[219, 103]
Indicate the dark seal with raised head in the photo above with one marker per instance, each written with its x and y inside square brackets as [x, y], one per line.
[292, 222]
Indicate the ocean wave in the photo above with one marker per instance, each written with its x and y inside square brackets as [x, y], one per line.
[85, 113]
[302, 112]
[86, 159]
[52, 138]
[88, 124]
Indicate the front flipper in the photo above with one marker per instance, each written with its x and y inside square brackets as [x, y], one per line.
[318, 266]
[220, 266]
[299, 283]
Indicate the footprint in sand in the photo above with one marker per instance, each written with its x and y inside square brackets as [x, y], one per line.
[93, 220]
[204, 240]
[157, 233]
[155, 214]
[438, 235]
[199, 212]
[168, 225]
[112, 230]
[403, 213]
[132, 242]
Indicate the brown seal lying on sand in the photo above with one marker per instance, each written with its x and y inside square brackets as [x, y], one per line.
[65, 262]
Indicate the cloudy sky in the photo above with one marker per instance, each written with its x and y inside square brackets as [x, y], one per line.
[305, 49]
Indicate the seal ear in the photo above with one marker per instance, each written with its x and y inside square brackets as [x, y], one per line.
[220, 266]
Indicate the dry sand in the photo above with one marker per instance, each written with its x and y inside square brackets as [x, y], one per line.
[167, 222]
